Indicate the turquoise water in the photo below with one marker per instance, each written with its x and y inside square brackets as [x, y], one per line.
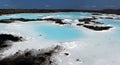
[57, 33]
[115, 24]
[61, 15]
[71, 15]
[47, 31]
[22, 15]
[50, 31]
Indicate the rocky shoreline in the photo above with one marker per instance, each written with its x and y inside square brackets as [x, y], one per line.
[86, 22]
[13, 11]
[32, 57]
[5, 38]
[11, 20]
[90, 23]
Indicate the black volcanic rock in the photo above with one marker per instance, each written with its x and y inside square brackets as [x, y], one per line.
[31, 57]
[111, 11]
[11, 20]
[5, 37]
[87, 20]
[13, 11]
[23, 59]
[59, 21]
[8, 37]
[106, 17]
[23, 19]
[6, 21]
[97, 28]
[79, 24]
[90, 23]
[96, 13]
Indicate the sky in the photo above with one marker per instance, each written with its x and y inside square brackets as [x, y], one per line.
[61, 4]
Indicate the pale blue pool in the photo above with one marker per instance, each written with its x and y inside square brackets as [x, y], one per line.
[57, 33]
[116, 26]
[60, 15]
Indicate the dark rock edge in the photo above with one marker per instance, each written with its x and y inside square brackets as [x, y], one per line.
[5, 38]
[32, 57]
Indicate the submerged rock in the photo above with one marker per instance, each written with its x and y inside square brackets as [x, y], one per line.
[96, 13]
[87, 20]
[21, 19]
[106, 17]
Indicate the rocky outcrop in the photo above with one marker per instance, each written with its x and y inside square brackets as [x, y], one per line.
[97, 28]
[95, 12]
[90, 23]
[4, 38]
[11, 20]
[57, 21]
[6, 21]
[32, 57]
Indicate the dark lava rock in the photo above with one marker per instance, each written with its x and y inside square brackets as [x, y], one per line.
[96, 13]
[59, 21]
[6, 21]
[106, 18]
[5, 37]
[11, 20]
[26, 60]
[93, 25]
[30, 57]
[97, 28]
[77, 59]
[79, 24]
[87, 20]
[21, 19]
[8, 37]
[24, 20]
[66, 54]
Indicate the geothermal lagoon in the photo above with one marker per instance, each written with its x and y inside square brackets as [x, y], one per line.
[84, 38]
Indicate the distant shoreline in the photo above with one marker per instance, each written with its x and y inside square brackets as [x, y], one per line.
[13, 11]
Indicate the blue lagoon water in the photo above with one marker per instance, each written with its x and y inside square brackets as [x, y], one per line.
[60, 15]
[57, 32]
[115, 24]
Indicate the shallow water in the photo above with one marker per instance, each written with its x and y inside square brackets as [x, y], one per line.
[61, 15]
[115, 24]
[46, 30]
[55, 32]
